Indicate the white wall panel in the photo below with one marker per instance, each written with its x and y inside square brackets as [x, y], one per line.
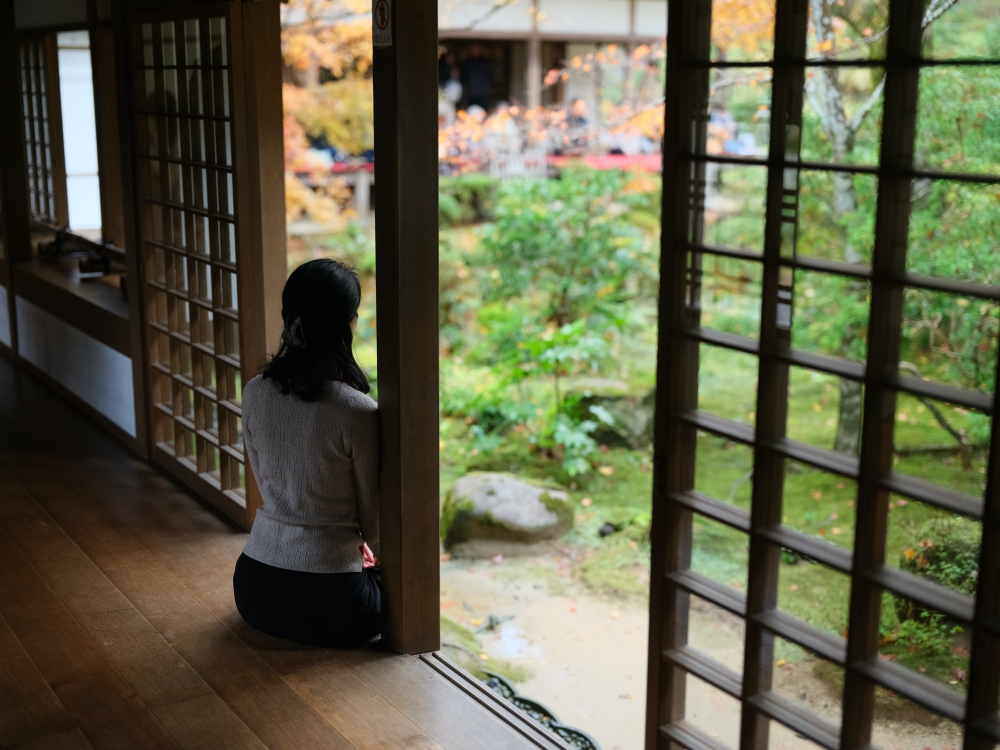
[651, 17]
[91, 370]
[475, 14]
[597, 17]
[4, 318]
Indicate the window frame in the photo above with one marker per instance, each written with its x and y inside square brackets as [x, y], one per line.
[678, 419]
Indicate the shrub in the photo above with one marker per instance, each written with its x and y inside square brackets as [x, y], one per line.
[946, 550]
[466, 199]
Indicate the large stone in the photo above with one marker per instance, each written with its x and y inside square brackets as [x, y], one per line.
[502, 513]
[632, 412]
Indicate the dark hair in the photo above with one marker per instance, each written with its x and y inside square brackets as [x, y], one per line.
[319, 301]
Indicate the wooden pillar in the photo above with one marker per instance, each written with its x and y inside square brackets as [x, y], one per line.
[533, 75]
[407, 277]
[16, 237]
[102, 60]
[262, 279]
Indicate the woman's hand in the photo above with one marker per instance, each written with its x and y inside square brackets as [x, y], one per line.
[368, 560]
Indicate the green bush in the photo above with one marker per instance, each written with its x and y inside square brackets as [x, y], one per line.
[466, 199]
[945, 550]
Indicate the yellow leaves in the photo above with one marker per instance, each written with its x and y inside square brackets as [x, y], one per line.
[323, 206]
[333, 34]
[922, 562]
[743, 24]
[910, 554]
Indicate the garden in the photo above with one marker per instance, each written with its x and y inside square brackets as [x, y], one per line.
[548, 293]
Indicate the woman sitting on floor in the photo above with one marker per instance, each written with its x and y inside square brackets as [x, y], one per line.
[310, 572]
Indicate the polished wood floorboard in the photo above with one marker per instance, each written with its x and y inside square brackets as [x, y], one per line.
[118, 627]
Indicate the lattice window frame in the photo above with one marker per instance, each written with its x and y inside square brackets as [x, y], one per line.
[188, 169]
[38, 69]
[678, 420]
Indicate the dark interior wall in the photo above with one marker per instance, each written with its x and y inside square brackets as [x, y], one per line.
[30, 14]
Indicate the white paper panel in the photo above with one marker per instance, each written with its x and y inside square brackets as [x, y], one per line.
[86, 367]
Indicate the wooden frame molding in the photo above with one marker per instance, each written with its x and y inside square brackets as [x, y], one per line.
[678, 420]
[407, 277]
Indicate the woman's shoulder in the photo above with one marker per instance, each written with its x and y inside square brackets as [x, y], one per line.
[253, 387]
[344, 396]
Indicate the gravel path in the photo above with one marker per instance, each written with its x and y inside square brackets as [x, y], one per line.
[587, 657]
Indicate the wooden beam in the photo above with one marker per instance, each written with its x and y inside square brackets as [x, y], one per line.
[130, 228]
[674, 440]
[407, 277]
[886, 318]
[102, 60]
[14, 216]
[263, 260]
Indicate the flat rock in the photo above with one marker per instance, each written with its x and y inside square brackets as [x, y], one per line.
[512, 513]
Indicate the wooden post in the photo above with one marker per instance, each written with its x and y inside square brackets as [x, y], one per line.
[16, 236]
[265, 267]
[533, 74]
[407, 277]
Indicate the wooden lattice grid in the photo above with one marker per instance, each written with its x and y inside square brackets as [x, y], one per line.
[42, 132]
[677, 503]
[186, 175]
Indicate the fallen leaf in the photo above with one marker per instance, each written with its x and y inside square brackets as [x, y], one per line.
[484, 657]
[586, 502]
[780, 663]
[794, 587]
[607, 470]
[572, 609]
[476, 621]
[835, 530]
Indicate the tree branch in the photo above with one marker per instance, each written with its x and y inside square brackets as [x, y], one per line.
[860, 115]
[960, 436]
[812, 97]
[936, 9]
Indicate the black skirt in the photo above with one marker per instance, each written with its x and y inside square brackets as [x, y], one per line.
[318, 609]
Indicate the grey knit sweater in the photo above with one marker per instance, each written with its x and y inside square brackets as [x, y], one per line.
[316, 464]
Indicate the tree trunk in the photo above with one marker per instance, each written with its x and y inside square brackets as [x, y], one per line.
[849, 418]
[829, 103]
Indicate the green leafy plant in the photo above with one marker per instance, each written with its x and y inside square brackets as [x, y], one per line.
[569, 241]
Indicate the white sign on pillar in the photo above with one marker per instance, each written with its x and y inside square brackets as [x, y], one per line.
[382, 23]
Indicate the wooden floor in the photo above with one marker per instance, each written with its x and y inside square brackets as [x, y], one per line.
[118, 627]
